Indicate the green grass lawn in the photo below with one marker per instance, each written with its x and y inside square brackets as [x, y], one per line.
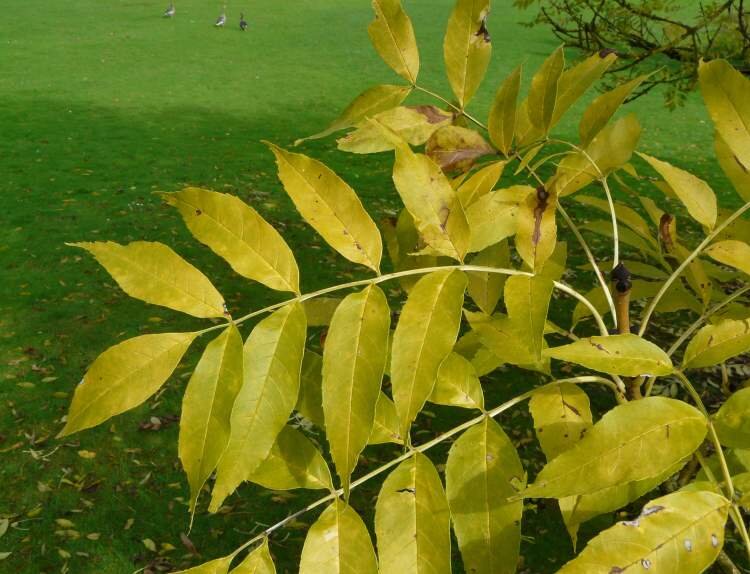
[104, 103]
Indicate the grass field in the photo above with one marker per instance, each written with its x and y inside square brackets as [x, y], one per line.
[103, 103]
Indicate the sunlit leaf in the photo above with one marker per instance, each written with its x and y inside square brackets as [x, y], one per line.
[259, 561]
[330, 206]
[393, 37]
[714, 344]
[502, 122]
[500, 336]
[536, 235]
[577, 80]
[458, 384]
[272, 358]
[353, 364]
[681, 532]
[319, 311]
[601, 110]
[455, 148]
[732, 421]
[369, 103]
[737, 173]
[206, 408]
[294, 462]
[562, 417]
[695, 194]
[627, 354]
[578, 509]
[543, 92]
[610, 150]
[235, 231]
[385, 427]
[480, 184]
[431, 200]
[310, 398]
[618, 450]
[338, 543]
[494, 216]
[424, 337]
[409, 243]
[527, 301]
[123, 377]
[482, 472]
[412, 520]
[725, 93]
[731, 252]
[218, 566]
[153, 273]
[485, 289]
[414, 124]
[467, 48]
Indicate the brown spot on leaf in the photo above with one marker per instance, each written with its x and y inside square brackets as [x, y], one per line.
[665, 232]
[542, 197]
[604, 52]
[433, 114]
[572, 408]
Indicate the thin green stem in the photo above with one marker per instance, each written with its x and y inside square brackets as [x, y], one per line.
[615, 228]
[687, 261]
[590, 256]
[410, 272]
[492, 413]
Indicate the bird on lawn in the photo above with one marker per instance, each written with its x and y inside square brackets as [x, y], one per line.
[169, 12]
[221, 20]
[243, 22]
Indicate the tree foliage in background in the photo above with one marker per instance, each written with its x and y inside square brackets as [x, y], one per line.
[664, 38]
[479, 258]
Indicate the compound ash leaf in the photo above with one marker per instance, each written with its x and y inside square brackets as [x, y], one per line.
[218, 566]
[575, 81]
[431, 200]
[610, 150]
[612, 452]
[414, 124]
[502, 121]
[480, 184]
[153, 273]
[601, 110]
[124, 376]
[467, 48]
[259, 561]
[681, 532]
[627, 354]
[562, 417]
[737, 173]
[330, 206]
[369, 103]
[273, 357]
[725, 92]
[206, 408]
[486, 288]
[457, 384]
[392, 35]
[483, 470]
[353, 365]
[294, 462]
[235, 231]
[731, 252]
[714, 344]
[536, 235]
[338, 543]
[424, 337]
[695, 194]
[385, 428]
[543, 92]
[732, 421]
[412, 520]
[455, 148]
